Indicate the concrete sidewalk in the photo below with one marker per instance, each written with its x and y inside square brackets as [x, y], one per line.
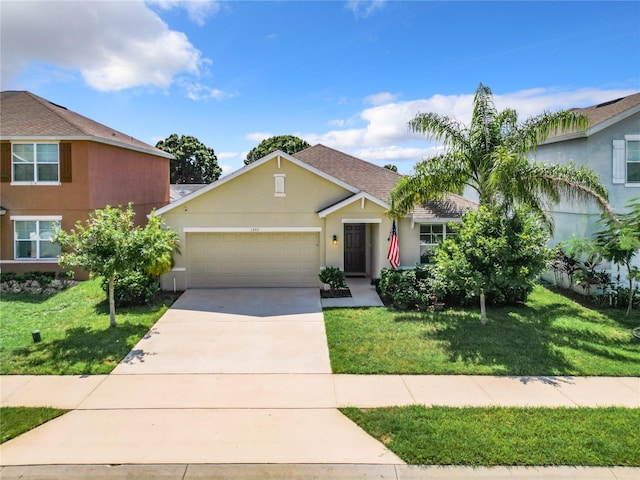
[312, 391]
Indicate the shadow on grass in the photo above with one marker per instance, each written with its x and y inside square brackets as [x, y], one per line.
[529, 340]
[81, 351]
[516, 341]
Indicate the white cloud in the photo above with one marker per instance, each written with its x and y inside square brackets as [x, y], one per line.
[364, 8]
[385, 137]
[114, 45]
[198, 91]
[226, 169]
[227, 155]
[197, 10]
[381, 98]
[258, 136]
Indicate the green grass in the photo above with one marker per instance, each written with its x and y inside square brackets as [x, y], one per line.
[506, 436]
[550, 335]
[16, 420]
[74, 326]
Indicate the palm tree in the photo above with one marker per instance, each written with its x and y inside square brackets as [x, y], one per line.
[492, 157]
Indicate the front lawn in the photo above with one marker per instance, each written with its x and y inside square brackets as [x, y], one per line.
[74, 327]
[550, 335]
[17, 420]
[506, 436]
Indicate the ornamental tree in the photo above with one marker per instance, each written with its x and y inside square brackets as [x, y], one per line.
[110, 243]
[493, 255]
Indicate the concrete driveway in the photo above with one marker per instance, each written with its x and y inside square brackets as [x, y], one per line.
[225, 376]
[240, 330]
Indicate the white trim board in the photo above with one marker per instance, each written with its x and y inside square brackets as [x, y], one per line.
[361, 220]
[251, 229]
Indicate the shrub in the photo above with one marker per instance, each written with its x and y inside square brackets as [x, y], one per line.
[333, 276]
[132, 288]
[406, 287]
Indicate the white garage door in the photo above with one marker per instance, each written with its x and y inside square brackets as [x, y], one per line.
[253, 259]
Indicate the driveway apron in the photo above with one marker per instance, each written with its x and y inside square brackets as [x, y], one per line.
[225, 376]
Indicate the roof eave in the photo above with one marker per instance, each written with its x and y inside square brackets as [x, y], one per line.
[595, 128]
[348, 201]
[90, 138]
[248, 168]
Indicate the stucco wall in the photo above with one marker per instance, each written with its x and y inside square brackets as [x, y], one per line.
[596, 152]
[101, 175]
[117, 176]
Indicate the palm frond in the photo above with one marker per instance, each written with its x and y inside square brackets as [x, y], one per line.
[537, 129]
[432, 180]
[439, 127]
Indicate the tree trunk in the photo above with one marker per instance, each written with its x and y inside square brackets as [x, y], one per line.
[483, 309]
[630, 306]
[112, 302]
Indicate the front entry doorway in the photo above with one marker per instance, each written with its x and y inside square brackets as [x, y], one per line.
[355, 253]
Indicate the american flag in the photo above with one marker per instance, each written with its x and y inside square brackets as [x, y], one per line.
[394, 251]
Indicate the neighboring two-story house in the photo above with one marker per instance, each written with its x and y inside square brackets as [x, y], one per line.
[611, 148]
[56, 167]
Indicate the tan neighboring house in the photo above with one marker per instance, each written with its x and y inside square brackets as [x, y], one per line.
[279, 220]
[58, 166]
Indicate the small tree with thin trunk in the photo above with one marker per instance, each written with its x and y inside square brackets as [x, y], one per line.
[493, 256]
[110, 243]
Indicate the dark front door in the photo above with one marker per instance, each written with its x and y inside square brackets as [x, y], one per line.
[354, 248]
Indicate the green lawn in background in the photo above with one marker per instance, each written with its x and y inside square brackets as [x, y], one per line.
[74, 327]
[506, 436]
[550, 335]
[17, 420]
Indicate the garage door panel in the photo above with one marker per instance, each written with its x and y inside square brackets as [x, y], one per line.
[279, 259]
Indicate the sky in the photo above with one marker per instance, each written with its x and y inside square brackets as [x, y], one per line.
[347, 74]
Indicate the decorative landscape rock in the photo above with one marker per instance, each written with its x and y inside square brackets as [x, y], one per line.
[35, 287]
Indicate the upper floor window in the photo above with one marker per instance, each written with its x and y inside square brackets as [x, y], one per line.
[33, 238]
[633, 161]
[431, 235]
[35, 162]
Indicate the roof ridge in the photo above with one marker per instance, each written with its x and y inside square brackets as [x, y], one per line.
[365, 162]
[49, 106]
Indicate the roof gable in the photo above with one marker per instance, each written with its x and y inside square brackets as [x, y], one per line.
[28, 116]
[277, 155]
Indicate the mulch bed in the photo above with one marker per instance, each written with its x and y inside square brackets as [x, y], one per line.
[339, 293]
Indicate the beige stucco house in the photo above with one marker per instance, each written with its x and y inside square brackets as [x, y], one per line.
[279, 220]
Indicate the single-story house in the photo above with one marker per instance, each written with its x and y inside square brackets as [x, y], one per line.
[276, 222]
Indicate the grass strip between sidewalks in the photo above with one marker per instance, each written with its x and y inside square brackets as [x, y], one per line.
[74, 327]
[549, 335]
[17, 420]
[506, 436]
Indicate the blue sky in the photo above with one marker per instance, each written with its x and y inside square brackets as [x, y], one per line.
[346, 74]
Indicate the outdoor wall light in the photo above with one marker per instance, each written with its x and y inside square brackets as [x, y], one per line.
[335, 239]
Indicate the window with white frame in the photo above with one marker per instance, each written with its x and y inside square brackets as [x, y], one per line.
[432, 235]
[33, 238]
[633, 161]
[35, 162]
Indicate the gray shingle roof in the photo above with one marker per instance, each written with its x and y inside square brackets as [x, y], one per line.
[607, 110]
[453, 206]
[25, 115]
[377, 181]
[374, 180]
